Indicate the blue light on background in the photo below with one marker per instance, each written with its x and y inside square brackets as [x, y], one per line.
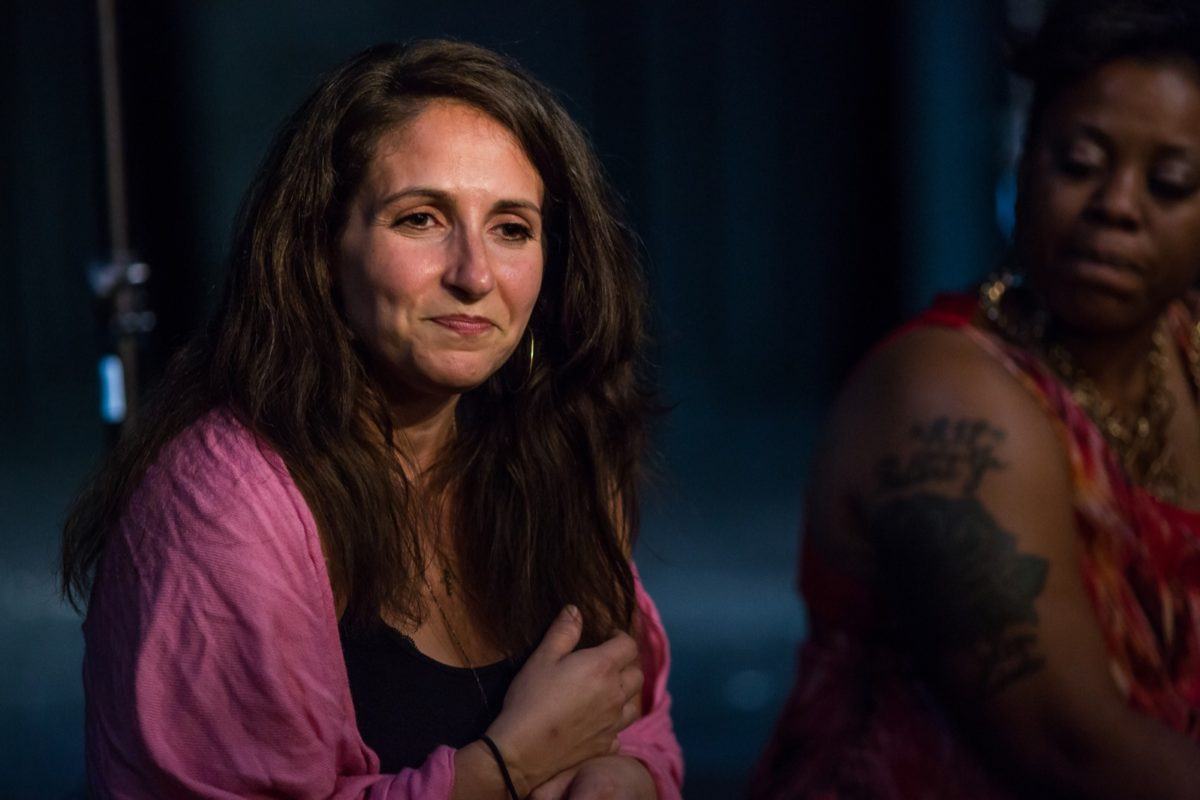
[112, 390]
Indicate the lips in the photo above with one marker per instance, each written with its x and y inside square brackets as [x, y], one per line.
[1105, 269]
[464, 324]
[1104, 255]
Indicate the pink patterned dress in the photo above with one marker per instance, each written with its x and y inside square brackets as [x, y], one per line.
[858, 724]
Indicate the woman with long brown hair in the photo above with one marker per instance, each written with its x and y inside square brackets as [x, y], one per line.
[372, 536]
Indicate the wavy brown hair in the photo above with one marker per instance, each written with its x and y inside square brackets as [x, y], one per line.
[543, 470]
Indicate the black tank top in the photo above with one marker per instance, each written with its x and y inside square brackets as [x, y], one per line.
[408, 704]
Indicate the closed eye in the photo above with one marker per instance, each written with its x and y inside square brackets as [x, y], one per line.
[1076, 169]
[1173, 181]
[1080, 158]
[1171, 190]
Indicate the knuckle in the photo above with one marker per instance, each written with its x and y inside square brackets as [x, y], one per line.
[602, 789]
[599, 669]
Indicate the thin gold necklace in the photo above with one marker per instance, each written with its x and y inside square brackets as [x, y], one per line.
[458, 645]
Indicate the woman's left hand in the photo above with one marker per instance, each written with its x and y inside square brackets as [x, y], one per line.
[604, 778]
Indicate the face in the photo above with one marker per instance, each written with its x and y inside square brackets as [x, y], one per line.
[1110, 216]
[440, 260]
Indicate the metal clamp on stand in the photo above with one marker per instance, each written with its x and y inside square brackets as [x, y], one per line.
[126, 320]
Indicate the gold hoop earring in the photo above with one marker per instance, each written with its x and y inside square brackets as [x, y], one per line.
[532, 350]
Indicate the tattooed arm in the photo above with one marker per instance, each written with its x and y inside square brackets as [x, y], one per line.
[957, 493]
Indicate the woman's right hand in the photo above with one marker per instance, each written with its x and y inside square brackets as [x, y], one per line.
[566, 706]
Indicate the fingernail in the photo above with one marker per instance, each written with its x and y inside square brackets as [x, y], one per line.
[573, 613]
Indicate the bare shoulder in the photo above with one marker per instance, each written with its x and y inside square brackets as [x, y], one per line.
[935, 369]
[934, 413]
[945, 483]
[936, 378]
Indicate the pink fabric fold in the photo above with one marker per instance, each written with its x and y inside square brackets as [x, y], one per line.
[651, 739]
[213, 667]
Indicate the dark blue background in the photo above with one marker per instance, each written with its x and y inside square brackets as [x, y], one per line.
[803, 175]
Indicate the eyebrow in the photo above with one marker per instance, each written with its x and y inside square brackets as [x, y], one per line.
[445, 198]
[1095, 134]
[1162, 149]
[1177, 151]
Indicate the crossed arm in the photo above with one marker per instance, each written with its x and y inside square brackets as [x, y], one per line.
[213, 667]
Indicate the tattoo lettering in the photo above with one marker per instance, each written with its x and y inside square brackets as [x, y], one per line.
[946, 451]
[954, 577]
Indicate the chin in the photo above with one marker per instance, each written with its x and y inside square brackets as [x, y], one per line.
[434, 374]
[459, 384]
[1098, 312]
[457, 375]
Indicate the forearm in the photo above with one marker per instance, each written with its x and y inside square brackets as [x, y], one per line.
[1072, 742]
[1122, 754]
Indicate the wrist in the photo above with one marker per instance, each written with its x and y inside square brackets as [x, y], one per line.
[476, 775]
[514, 778]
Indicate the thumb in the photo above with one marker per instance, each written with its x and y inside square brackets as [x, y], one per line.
[562, 635]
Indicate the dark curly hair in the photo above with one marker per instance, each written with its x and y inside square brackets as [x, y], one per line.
[1079, 36]
[543, 470]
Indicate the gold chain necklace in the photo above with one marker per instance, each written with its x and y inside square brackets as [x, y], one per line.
[1193, 356]
[1139, 440]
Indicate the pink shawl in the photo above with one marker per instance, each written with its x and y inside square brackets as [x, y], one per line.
[213, 666]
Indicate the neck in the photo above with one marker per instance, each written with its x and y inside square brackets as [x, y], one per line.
[424, 425]
[1117, 364]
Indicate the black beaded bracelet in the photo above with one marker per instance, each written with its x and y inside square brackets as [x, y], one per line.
[508, 782]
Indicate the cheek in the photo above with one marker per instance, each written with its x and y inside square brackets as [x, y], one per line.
[387, 275]
[1182, 251]
[1050, 212]
[523, 282]
[1060, 207]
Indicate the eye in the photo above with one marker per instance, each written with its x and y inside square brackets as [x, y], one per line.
[1170, 190]
[1080, 162]
[418, 220]
[1172, 183]
[514, 231]
[1075, 169]
[1079, 157]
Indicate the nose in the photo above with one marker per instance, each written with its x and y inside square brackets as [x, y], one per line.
[1117, 200]
[468, 271]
